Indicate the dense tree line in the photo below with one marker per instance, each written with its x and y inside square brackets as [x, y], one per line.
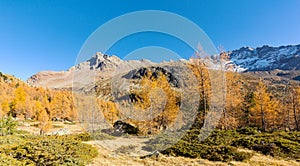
[254, 103]
[17, 99]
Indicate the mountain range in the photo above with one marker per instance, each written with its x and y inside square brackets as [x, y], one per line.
[267, 58]
[279, 63]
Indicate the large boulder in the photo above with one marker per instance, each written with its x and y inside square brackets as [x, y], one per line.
[124, 127]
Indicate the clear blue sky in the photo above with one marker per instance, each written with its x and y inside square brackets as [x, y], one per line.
[40, 35]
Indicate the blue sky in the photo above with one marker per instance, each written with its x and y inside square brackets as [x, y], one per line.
[40, 35]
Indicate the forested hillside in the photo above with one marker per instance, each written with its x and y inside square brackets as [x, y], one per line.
[251, 101]
[18, 99]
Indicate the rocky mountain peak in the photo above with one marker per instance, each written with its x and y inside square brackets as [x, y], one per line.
[267, 58]
[100, 62]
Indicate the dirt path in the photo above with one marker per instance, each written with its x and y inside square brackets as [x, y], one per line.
[121, 145]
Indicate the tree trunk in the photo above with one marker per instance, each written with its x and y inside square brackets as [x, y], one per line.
[247, 117]
[263, 122]
[42, 132]
[204, 98]
[296, 119]
[288, 119]
[224, 125]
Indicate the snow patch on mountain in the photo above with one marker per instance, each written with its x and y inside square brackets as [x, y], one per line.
[267, 58]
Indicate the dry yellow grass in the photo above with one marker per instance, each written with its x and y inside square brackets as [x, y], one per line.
[31, 127]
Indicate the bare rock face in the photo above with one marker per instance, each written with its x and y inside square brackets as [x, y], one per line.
[81, 74]
[100, 62]
[51, 79]
[154, 71]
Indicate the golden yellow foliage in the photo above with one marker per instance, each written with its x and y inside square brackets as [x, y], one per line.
[293, 107]
[265, 108]
[201, 72]
[18, 98]
[234, 98]
[157, 99]
[109, 110]
[42, 117]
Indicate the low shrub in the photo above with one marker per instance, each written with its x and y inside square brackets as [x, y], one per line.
[79, 137]
[8, 160]
[7, 126]
[89, 136]
[159, 143]
[223, 145]
[216, 147]
[270, 144]
[10, 140]
[213, 153]
[52, 150]
[248, 130]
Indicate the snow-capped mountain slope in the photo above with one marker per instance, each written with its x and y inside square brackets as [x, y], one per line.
[267, 58]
